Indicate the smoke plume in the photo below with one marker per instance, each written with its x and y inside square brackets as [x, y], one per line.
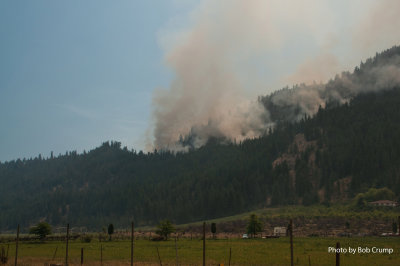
[233, 50]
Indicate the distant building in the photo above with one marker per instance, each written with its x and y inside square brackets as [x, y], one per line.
[384, 203]
[279, 231]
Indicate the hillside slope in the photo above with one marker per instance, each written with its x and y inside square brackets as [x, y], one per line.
[347, 147]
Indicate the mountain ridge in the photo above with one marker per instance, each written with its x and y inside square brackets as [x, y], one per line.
[355, 137]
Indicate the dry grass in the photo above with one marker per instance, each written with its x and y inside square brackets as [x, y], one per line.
[244, 252]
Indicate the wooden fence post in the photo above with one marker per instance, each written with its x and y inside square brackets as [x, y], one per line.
[132, 241]
[101, 254]
[3, 259]
[230, 255]
[398, 223]
[66, 248]
[291, 241]
[204, 243]
[159, 258]
[16, 246]
[81, 256]
[337, 254]
[55, 252]
[176, 251]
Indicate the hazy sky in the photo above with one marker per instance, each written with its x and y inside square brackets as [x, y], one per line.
[76, 73]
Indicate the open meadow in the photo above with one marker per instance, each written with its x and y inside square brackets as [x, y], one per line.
[307, 251]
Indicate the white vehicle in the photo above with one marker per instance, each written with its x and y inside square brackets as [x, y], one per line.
[245, 236]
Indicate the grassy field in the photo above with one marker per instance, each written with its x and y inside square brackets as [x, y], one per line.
[244, 252]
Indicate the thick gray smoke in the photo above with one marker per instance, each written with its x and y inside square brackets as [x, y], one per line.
[379, 73]
[207, 97]
[232, 48]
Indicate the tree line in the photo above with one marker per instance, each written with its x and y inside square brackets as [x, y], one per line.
[357, 141]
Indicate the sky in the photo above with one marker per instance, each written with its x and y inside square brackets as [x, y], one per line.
[74, 74]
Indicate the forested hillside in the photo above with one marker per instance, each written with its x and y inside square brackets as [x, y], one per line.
[350, 144]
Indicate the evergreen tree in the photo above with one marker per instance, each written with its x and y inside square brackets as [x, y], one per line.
[110, 230]
[213, 229]
[165, 228]
[254, 225]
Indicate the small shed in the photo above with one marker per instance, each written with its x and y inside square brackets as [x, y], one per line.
[280, 231]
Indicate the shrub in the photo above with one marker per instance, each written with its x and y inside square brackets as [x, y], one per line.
[42, 229]
[86, 238]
